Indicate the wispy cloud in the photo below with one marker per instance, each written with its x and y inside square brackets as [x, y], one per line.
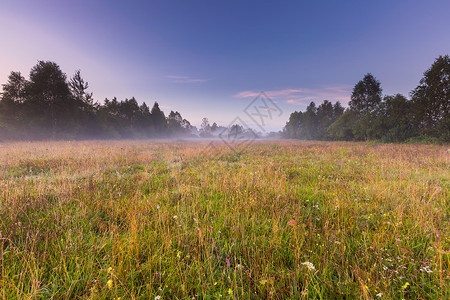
[184, 79]
[302, 96]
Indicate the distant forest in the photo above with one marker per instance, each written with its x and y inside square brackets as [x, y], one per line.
[51, 106]
[370, 116]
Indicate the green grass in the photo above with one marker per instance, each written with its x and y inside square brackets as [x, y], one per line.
[102, 220]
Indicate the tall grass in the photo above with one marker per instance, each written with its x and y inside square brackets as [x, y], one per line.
[160, 220]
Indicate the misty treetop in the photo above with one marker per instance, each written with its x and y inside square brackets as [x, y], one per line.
[370, 116]
[50, 106]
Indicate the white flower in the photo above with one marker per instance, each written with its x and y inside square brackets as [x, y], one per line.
[158, 297]
[175, 217]
[379, 295]
[309, 265]
[426, 269]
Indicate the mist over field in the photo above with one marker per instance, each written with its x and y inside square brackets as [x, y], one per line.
[224, 149]
[50, 106]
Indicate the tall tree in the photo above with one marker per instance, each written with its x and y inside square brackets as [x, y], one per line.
[205, 130]
[396, 119]
[78, 88]
[11, 101]
[365, 102]
[144, 122]
[366, 95]
[159, 120]
[308, 128]
[50, 97]
[338, 110]
[291, 130]
[175, 123]
[14, 89]
[325, 117]
[129, 110]
[431, 99]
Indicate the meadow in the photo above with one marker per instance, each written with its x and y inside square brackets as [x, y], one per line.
[179, 220]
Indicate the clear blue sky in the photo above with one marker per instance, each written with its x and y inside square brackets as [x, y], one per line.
[209, 58]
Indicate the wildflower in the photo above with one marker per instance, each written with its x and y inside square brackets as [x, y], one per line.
[157, 206]
[228, 262]
[215, 283]
[426, 269]
[109, 283]
[109, 270]
[230, 291]
[158, 297]
[309, 265]
[175, 217]
[379, 295]
[292, 223]
[178, 253]
[405, 286]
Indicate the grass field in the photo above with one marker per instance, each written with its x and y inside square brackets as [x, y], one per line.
[168, 220]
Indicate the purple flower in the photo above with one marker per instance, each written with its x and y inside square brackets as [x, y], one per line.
[228, 262]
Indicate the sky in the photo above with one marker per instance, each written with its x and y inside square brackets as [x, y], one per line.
[213, 58]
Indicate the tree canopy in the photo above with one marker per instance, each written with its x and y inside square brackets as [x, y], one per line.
[48, 105]
[371, 116]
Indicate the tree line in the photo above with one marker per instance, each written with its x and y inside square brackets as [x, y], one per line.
[50, 106]
[389, 118]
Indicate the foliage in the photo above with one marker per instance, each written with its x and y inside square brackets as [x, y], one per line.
[432, 99]
[366, 95]
[314, 122]
[50, 106]
[388, 119]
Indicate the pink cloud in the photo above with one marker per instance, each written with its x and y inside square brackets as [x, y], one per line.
[302, 96]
